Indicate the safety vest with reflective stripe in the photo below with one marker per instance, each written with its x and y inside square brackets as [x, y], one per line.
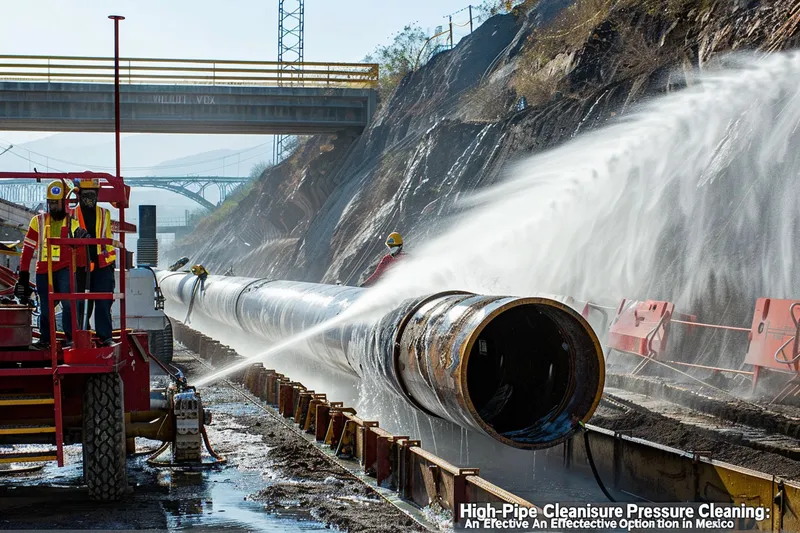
[36, 240]
[106, 253]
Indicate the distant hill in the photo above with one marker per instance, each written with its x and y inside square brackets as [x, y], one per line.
[141, 153]
[144, 155]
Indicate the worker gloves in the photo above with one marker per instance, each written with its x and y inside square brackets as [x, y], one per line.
[23, 287]
[81, 233]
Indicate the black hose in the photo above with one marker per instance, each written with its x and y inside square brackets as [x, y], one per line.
[155, 277]
[591, 463]
[191, 300]
[220, 459]
[159, 296]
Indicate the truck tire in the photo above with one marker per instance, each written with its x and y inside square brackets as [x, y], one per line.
[161, 344]
[167, 344]
[104, 463]
[155, 340]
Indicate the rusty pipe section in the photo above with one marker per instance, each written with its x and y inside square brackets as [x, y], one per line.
[524, 371]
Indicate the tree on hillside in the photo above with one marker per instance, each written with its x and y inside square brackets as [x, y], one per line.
[259, 168]
[490, 8]
[408, 51]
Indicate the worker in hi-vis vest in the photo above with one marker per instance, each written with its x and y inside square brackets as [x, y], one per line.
[102, 257]
[56, 222]
[394, 242]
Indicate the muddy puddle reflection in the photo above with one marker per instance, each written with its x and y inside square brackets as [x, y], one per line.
[217, 500]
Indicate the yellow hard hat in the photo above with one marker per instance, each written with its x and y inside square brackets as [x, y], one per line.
[55, 190]
[87, 183]
[394, 239]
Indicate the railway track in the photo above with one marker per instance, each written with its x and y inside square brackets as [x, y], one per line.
[420, 518]
[718, 425]
[705, 425]
[647, 448]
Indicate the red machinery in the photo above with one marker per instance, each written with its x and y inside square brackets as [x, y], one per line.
[98, 396]
[773, 338]
[95, 395]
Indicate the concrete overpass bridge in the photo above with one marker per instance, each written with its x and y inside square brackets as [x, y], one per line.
[65, 93]
[178, 226]
[29, 193]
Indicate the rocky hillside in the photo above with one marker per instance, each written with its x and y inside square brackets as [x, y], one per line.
[520, 83]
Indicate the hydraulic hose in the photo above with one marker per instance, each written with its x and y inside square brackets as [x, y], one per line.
[525, 371]
[595, 473]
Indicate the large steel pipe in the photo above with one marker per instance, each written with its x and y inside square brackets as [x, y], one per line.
[524, 371]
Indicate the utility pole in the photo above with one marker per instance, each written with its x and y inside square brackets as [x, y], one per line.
[451, 31]
[291, 22]
[470, 18]
[117, 128]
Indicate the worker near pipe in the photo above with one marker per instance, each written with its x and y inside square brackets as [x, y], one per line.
[58, 221]
[96, 270]
[395, 244]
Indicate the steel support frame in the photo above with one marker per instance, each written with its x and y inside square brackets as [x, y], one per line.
[291, 29]
[30, 193]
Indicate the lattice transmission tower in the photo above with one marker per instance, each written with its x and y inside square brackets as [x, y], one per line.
[291, 14]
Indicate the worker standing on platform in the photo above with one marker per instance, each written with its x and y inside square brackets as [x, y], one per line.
[99, 266]
[395, 244]
[55, 222]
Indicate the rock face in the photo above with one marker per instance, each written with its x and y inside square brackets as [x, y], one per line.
[453, 125]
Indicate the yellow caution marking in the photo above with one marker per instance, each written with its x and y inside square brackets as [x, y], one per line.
[26, 430]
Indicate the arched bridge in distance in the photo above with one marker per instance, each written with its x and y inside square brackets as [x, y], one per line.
[76, 94]
[29, 193]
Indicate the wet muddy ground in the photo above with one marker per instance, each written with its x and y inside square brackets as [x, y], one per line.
[273, 480]
[673, 425]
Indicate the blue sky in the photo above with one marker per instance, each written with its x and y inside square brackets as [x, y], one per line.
[341, 30]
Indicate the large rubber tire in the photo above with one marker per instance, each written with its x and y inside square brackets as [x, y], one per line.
[161, 343]
[155, 341]
[104, 463]
[167, 344]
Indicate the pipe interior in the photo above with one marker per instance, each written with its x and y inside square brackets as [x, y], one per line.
[518, 373]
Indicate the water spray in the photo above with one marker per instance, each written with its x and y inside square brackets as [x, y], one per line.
[524, 371]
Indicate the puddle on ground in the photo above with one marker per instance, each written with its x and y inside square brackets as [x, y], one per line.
[212, 498]
[217, 501]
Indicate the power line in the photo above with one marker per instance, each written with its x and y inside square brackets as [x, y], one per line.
[209, 170]
[128, 169]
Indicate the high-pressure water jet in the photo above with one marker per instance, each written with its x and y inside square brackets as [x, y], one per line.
[524, 371]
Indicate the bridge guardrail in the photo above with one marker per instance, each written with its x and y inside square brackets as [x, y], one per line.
[139, 71]
[171, 222]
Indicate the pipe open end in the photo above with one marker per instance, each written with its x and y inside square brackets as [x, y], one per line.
[534, 370]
